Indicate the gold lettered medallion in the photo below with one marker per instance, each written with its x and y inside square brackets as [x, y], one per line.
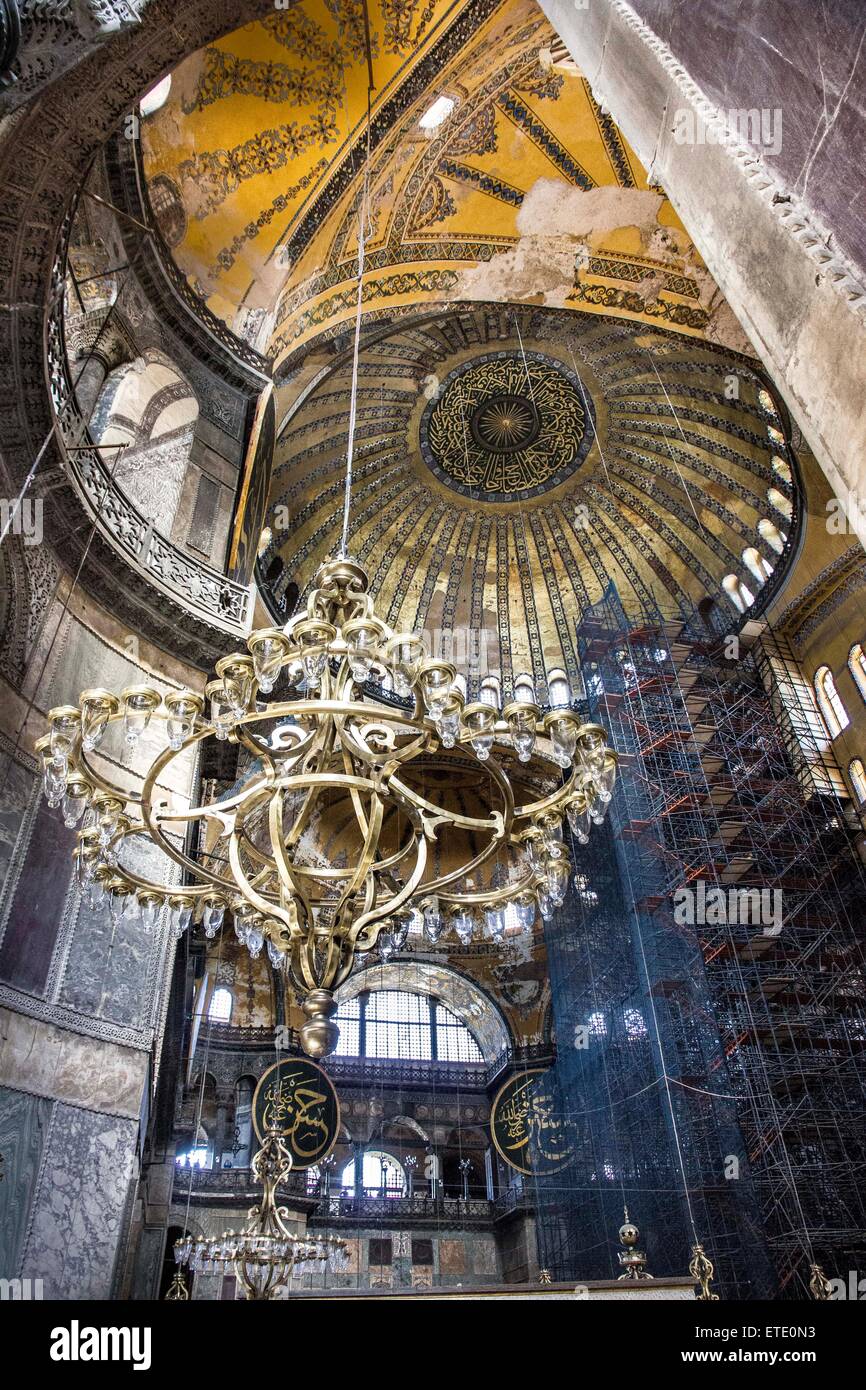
[300, 1099]
[527, 1125]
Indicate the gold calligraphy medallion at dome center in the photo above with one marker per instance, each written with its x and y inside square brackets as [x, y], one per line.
[504, 427]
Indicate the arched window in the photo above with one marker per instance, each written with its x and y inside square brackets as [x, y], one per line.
[780, 503]
[765, 401]
[145, 418]
[769, 532]
[221, 1005]
[857, 667]
[739, 593]
[830, 702]
[756, 564]
[857, 774]
[394, 1023]
[156, 98]
[635, 1024]
[782, 469]
[382, 1175]
[193, 1158]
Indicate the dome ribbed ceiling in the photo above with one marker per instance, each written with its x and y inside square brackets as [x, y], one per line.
[641, 457]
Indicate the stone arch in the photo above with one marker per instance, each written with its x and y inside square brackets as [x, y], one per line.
[62, 128]
[145, 420]
[470, 1136]
[392, 1122]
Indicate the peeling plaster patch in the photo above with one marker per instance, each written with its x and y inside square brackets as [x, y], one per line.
[539, 270]
[560, 228]
[649, 289]
[554, 208]
[723, 326]
[195, 198]
[668, 243]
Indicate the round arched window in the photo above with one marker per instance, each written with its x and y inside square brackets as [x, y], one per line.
[382, 1175]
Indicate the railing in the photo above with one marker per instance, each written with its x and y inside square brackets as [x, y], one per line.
[340, 1205]
[234, 1182]
[220, 602]
[445, 1211]
[382, 1071]
[407, 1072]
[228, 1035]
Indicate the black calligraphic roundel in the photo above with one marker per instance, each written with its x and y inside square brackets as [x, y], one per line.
[528, 1127]
[300, 1099]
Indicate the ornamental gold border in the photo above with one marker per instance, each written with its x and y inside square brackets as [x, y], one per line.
[308, 1061]
[527, 1172]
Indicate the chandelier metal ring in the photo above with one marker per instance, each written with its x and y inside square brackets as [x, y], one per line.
[334, 840]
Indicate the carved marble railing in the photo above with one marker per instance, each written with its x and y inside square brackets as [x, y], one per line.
[404, 1071]
[196, 587]
[232, 1037]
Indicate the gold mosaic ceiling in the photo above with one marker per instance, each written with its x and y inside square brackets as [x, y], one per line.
[526, 192]
[657, 461]
[543, 402]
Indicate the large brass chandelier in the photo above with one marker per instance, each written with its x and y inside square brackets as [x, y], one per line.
[323, 741]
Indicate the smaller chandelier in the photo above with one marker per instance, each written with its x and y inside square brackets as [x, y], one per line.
[265, 1256]
[331, 843]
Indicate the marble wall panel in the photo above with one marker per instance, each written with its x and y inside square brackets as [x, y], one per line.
[115, 969]
[38, 883]
[82, 658]
[43, 1059]
[18, 787]
[56, 947]
[76, 1226]
[24, 1122]
[804, 64]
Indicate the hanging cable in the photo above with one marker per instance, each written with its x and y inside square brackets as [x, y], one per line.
[363, 231]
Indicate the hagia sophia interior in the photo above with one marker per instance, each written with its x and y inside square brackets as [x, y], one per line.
[433, 649]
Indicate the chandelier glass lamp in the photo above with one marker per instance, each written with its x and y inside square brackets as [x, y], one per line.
[332, 842]
[265, 1256]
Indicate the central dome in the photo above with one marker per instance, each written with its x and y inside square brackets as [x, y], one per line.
[643, 472]
[507, 426]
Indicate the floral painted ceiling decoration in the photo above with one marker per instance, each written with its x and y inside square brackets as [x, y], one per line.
[524, 190]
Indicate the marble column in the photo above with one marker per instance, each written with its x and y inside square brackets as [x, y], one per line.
[89, 377]
[358, 1156]
[488, 1174]
[220, 1132]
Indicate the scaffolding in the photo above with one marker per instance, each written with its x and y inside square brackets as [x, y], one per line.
[707, 976]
